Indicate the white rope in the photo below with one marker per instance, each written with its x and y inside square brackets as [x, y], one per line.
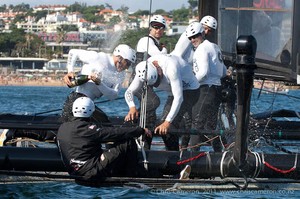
[258, 164]
[141, 146]
[221, 163]
[143, 118]
[143, 110]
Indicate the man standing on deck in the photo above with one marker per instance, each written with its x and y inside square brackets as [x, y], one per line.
[185, 49]
[172, 74]
[105, 76]
[209, 68]
[146, 47]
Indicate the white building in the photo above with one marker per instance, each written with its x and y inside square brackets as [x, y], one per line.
[56, 8]
[177, 28]
[93, 35]
[56, 18]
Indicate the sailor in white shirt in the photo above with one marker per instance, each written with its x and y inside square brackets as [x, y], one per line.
[209, 24]
[148, 46]
[106, 74]
[209, 68]
[184, 47]
[151, 43]
[173, 75]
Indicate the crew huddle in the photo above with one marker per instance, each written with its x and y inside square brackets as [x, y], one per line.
[190, 75]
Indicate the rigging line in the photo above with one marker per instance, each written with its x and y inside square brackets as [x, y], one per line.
[54, 110]
[145, 83]
[272, 103]
[143, 110]
[281, 170]
[98, 102]
[260, 89]
[271, 108]
[274, 95]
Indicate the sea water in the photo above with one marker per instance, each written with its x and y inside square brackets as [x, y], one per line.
[44, 100]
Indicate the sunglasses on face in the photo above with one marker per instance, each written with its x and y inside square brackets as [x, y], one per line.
[158, 27]
[128, 63]
[194, 36]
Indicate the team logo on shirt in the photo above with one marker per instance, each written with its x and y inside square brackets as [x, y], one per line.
[195, 66]
[129, 95]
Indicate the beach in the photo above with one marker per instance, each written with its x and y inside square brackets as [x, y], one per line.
[41, 80]
[31, 81]
[53, 80]
[273, 85]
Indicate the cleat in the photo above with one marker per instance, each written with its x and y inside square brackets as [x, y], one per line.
[185, 173]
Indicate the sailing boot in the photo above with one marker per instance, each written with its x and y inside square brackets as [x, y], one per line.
[185, 173]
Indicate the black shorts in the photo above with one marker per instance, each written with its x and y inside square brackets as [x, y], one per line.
[119, 160]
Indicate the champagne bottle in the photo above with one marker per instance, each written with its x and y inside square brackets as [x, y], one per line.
[78, 80]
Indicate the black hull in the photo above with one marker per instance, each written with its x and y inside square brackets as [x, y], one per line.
[204, 165]
[40, 127]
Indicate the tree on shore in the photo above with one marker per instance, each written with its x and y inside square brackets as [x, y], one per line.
[16, 42]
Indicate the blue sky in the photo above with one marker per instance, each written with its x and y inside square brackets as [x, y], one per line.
[133, 5]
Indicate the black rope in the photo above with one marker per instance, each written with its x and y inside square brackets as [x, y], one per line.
[99, 102]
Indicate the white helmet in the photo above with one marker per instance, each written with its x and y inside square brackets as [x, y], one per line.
[126, 52]
[140, 71]
[158, 19]
[209, 21]
[83, 107]
[194, 29]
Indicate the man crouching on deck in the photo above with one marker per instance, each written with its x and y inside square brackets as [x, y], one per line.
[79, 142]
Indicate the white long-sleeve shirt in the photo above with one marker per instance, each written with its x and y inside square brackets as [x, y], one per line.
[208, 64]
[111, 80]
[184, 48]
[152, 49]
[177, 76]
